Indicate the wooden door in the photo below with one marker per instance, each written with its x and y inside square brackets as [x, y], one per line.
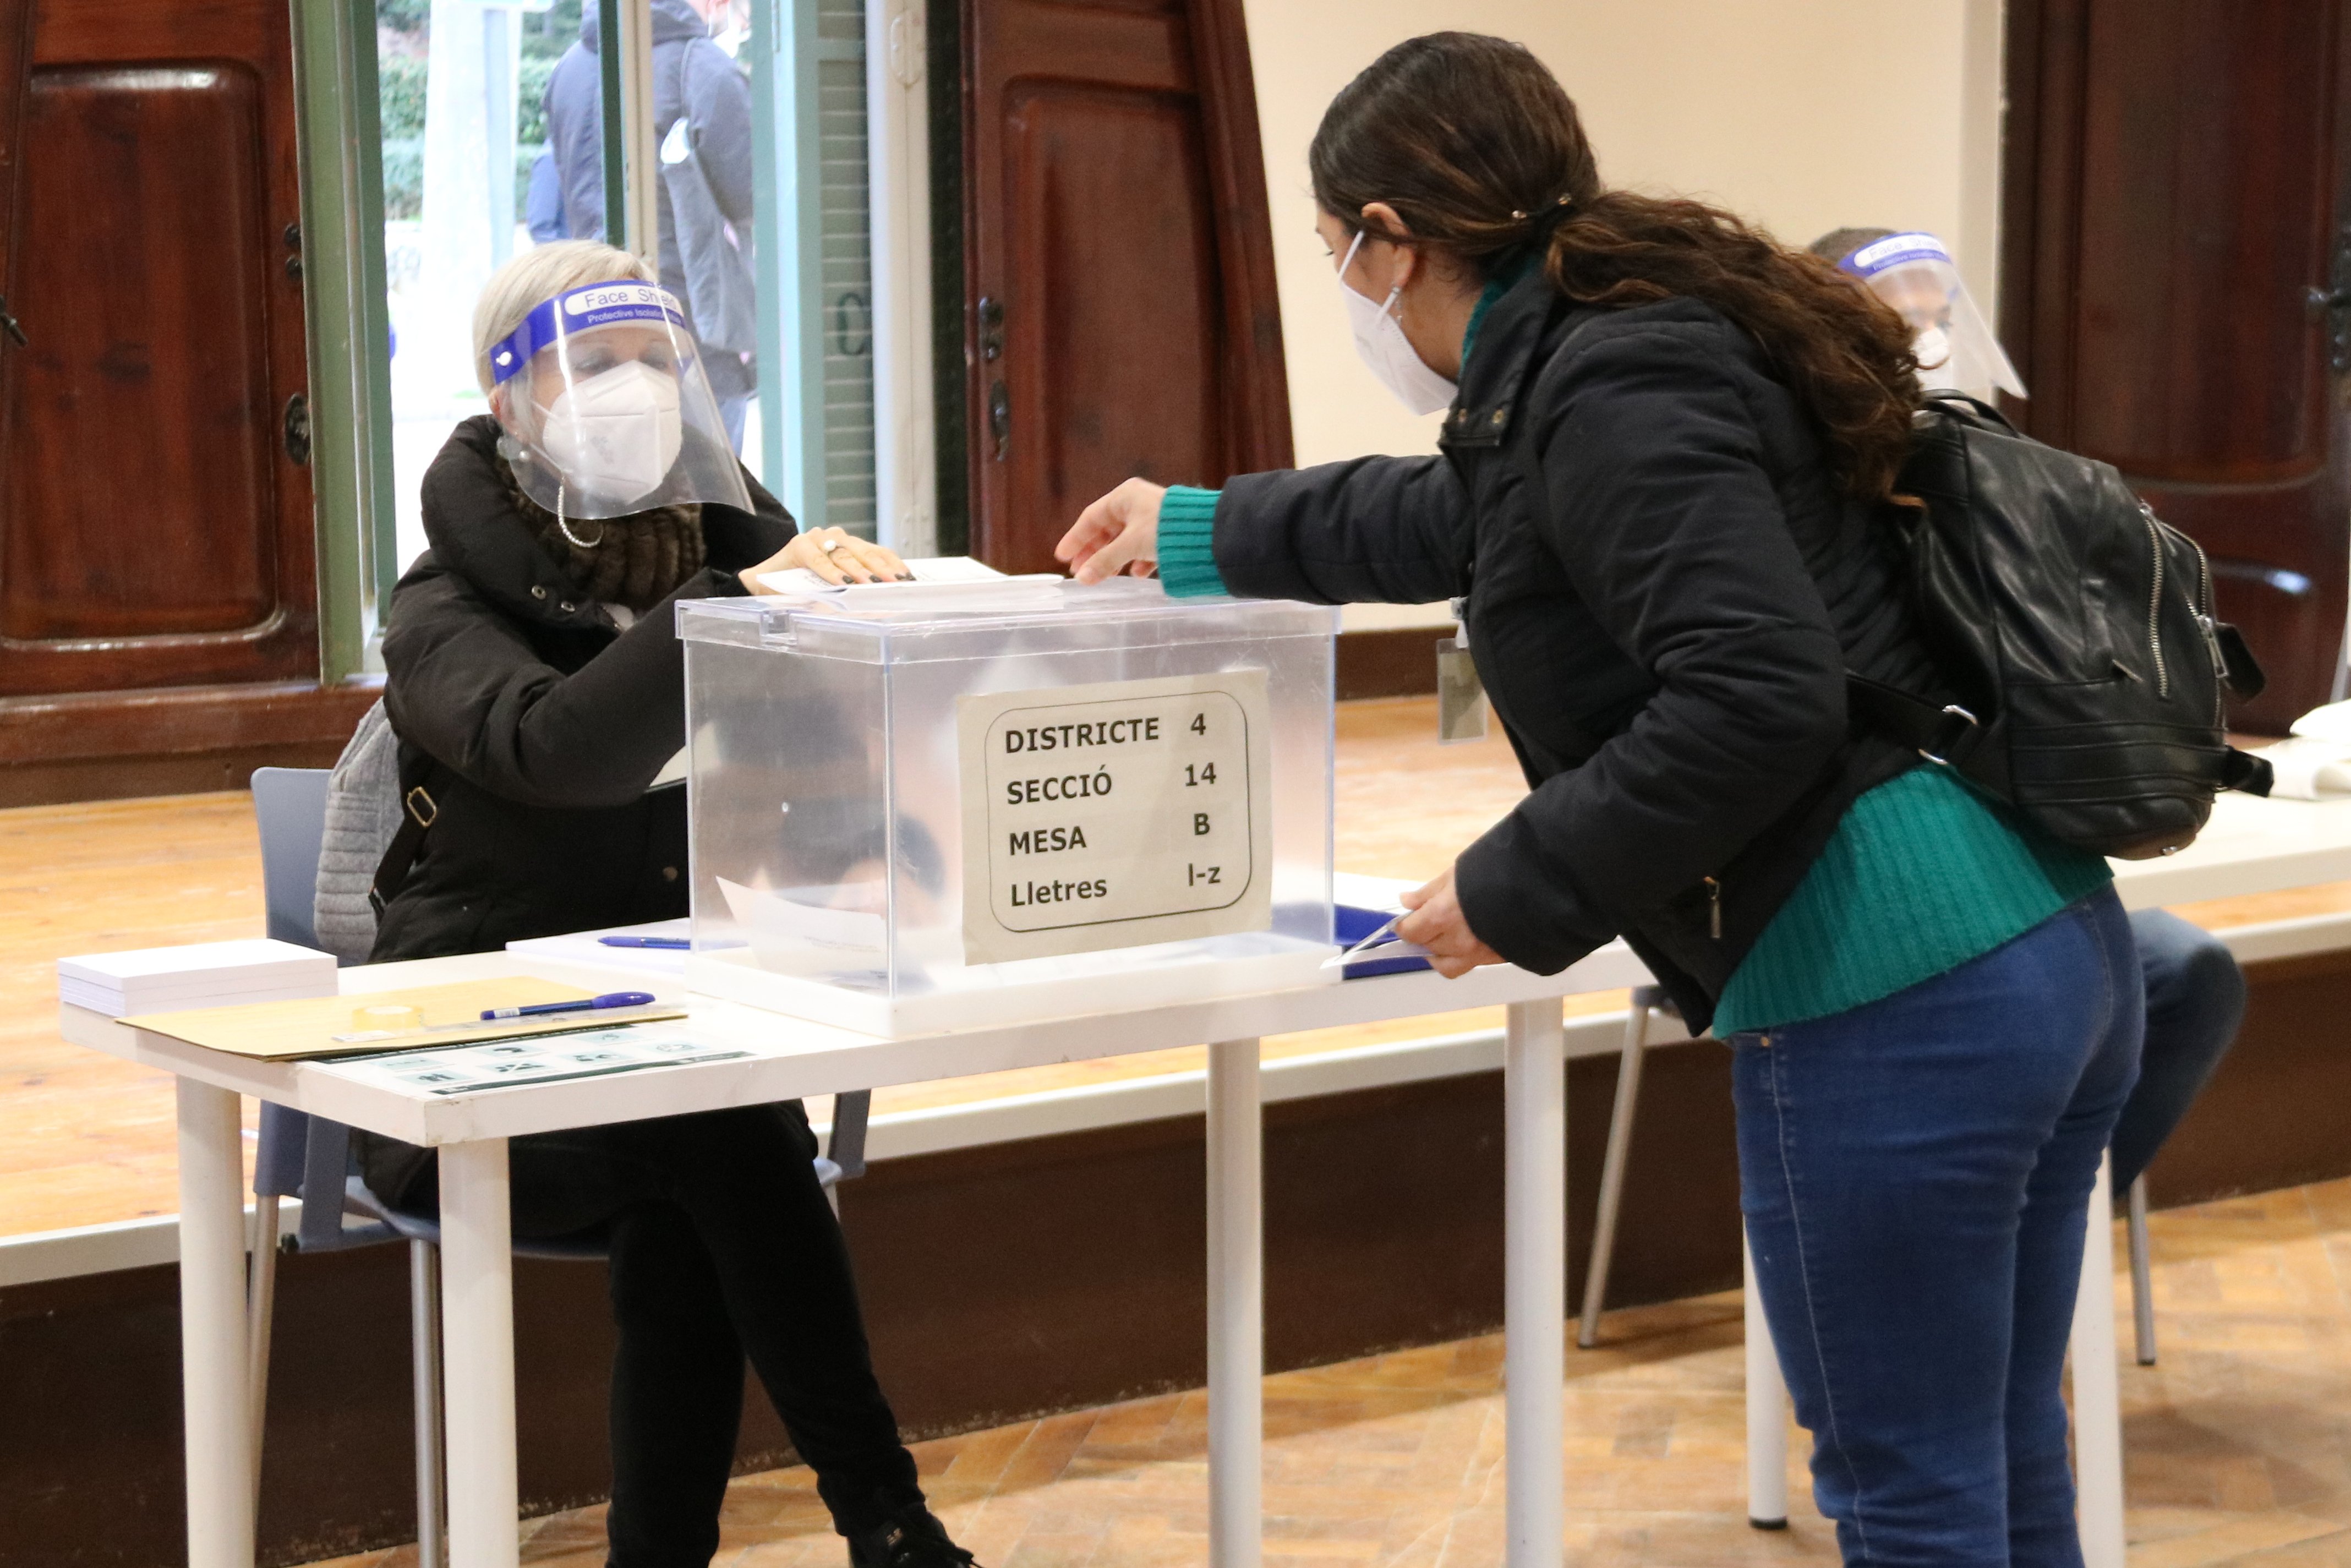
[155, 525]
[2177, 284]
[1120, 317]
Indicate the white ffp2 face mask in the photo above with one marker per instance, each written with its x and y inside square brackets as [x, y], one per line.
[1932, 347]
[616, 434]
[1386, 352]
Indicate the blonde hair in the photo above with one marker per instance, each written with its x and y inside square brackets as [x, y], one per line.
[540, 273]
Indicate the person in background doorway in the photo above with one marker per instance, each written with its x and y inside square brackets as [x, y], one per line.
[2195, 992]
[702, 116]
[543, 206]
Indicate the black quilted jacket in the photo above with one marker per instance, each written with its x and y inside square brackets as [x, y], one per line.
[547, 721]
[1662, 624]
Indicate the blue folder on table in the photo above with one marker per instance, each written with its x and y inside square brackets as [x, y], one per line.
[1350, 924]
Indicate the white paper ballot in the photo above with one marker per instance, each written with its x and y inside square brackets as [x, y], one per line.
[2315, 762]
[2310, 768]
[779, 916]
[2332, 722]
[929, 571]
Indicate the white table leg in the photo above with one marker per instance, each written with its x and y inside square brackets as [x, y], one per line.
[2097, 1390]
[478, 1349]
[1236, 1307]
[216, 1380]
[1767, 1412]
[1534, 1282]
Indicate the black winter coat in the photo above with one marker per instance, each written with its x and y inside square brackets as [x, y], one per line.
[1664, 630]
[547, 721]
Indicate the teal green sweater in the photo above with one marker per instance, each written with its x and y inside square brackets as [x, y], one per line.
[1922, 874]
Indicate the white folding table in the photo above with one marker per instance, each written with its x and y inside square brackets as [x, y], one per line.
[788, 1059]
[2253, 846]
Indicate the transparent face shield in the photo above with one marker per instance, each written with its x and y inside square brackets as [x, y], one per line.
[1956, 349]
[606, 409]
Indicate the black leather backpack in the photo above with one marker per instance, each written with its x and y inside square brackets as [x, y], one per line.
[2075, 628]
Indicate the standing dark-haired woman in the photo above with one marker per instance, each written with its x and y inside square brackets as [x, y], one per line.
[1665, 471]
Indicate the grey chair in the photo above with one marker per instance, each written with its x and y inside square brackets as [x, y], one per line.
[299, 1154]
[2142, 1272]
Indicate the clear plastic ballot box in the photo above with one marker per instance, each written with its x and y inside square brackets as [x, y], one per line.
[917, 808]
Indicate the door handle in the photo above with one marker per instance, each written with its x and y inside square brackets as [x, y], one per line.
[2332, 301]
[298, 430]
[8, 325]
[991, 330]
[999, 416]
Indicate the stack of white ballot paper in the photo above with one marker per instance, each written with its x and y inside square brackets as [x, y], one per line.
[205, 975]
[936, 581]
[2315, 762]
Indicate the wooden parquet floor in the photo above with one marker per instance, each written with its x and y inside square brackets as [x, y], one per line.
[87, 1140]
[2239, 1443]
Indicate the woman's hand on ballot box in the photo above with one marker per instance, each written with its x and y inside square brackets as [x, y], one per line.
[1118, 533]
[835, 555]
[1436, 922]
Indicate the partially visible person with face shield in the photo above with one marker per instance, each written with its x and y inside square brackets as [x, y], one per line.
[2195, 991]
[536, 685]
[1913, 273]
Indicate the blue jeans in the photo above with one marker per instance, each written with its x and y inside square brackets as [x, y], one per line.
[1916, 1175]
[2195, 999]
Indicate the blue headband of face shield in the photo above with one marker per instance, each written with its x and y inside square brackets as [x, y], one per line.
[1893, 250]
[577, 311]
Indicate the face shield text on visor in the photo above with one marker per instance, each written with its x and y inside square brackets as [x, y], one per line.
[1956, 349]
[607, 411]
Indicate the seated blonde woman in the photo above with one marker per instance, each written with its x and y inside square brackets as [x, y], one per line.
[536, 681]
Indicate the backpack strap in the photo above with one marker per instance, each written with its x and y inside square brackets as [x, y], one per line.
[418, 811]
[1953, 737]
[2243, 770]
[1945, 733]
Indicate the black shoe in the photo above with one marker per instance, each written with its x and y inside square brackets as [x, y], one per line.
[915, 1539]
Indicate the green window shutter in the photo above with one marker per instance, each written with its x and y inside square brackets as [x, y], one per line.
[816, 353]
[845, 267]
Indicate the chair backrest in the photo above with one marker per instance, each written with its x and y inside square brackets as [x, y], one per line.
[846, 1147]
[290, 805]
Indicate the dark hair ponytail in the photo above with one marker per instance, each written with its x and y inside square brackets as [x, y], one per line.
[1480, 152]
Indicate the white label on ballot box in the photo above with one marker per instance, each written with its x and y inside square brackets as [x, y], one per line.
[1115, 815]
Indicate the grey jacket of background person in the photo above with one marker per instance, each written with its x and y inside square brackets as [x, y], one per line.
[692, 76]
[1664, 627]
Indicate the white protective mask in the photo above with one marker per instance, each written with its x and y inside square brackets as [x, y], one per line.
[1386, 352]
[1932, 346]
[616, 434]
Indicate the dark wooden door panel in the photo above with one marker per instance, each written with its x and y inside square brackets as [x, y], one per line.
[2205, 205]
[163, 372]
[16, 71]
[154, 531]
[1122, 317]
[1093, 403]
[2176, 183]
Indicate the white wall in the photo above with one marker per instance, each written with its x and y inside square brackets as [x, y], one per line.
[1802, 116]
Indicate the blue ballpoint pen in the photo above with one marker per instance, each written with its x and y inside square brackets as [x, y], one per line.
[686, 943]
[608, 999]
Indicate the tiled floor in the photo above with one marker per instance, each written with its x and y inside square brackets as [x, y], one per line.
[2240, 1442]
